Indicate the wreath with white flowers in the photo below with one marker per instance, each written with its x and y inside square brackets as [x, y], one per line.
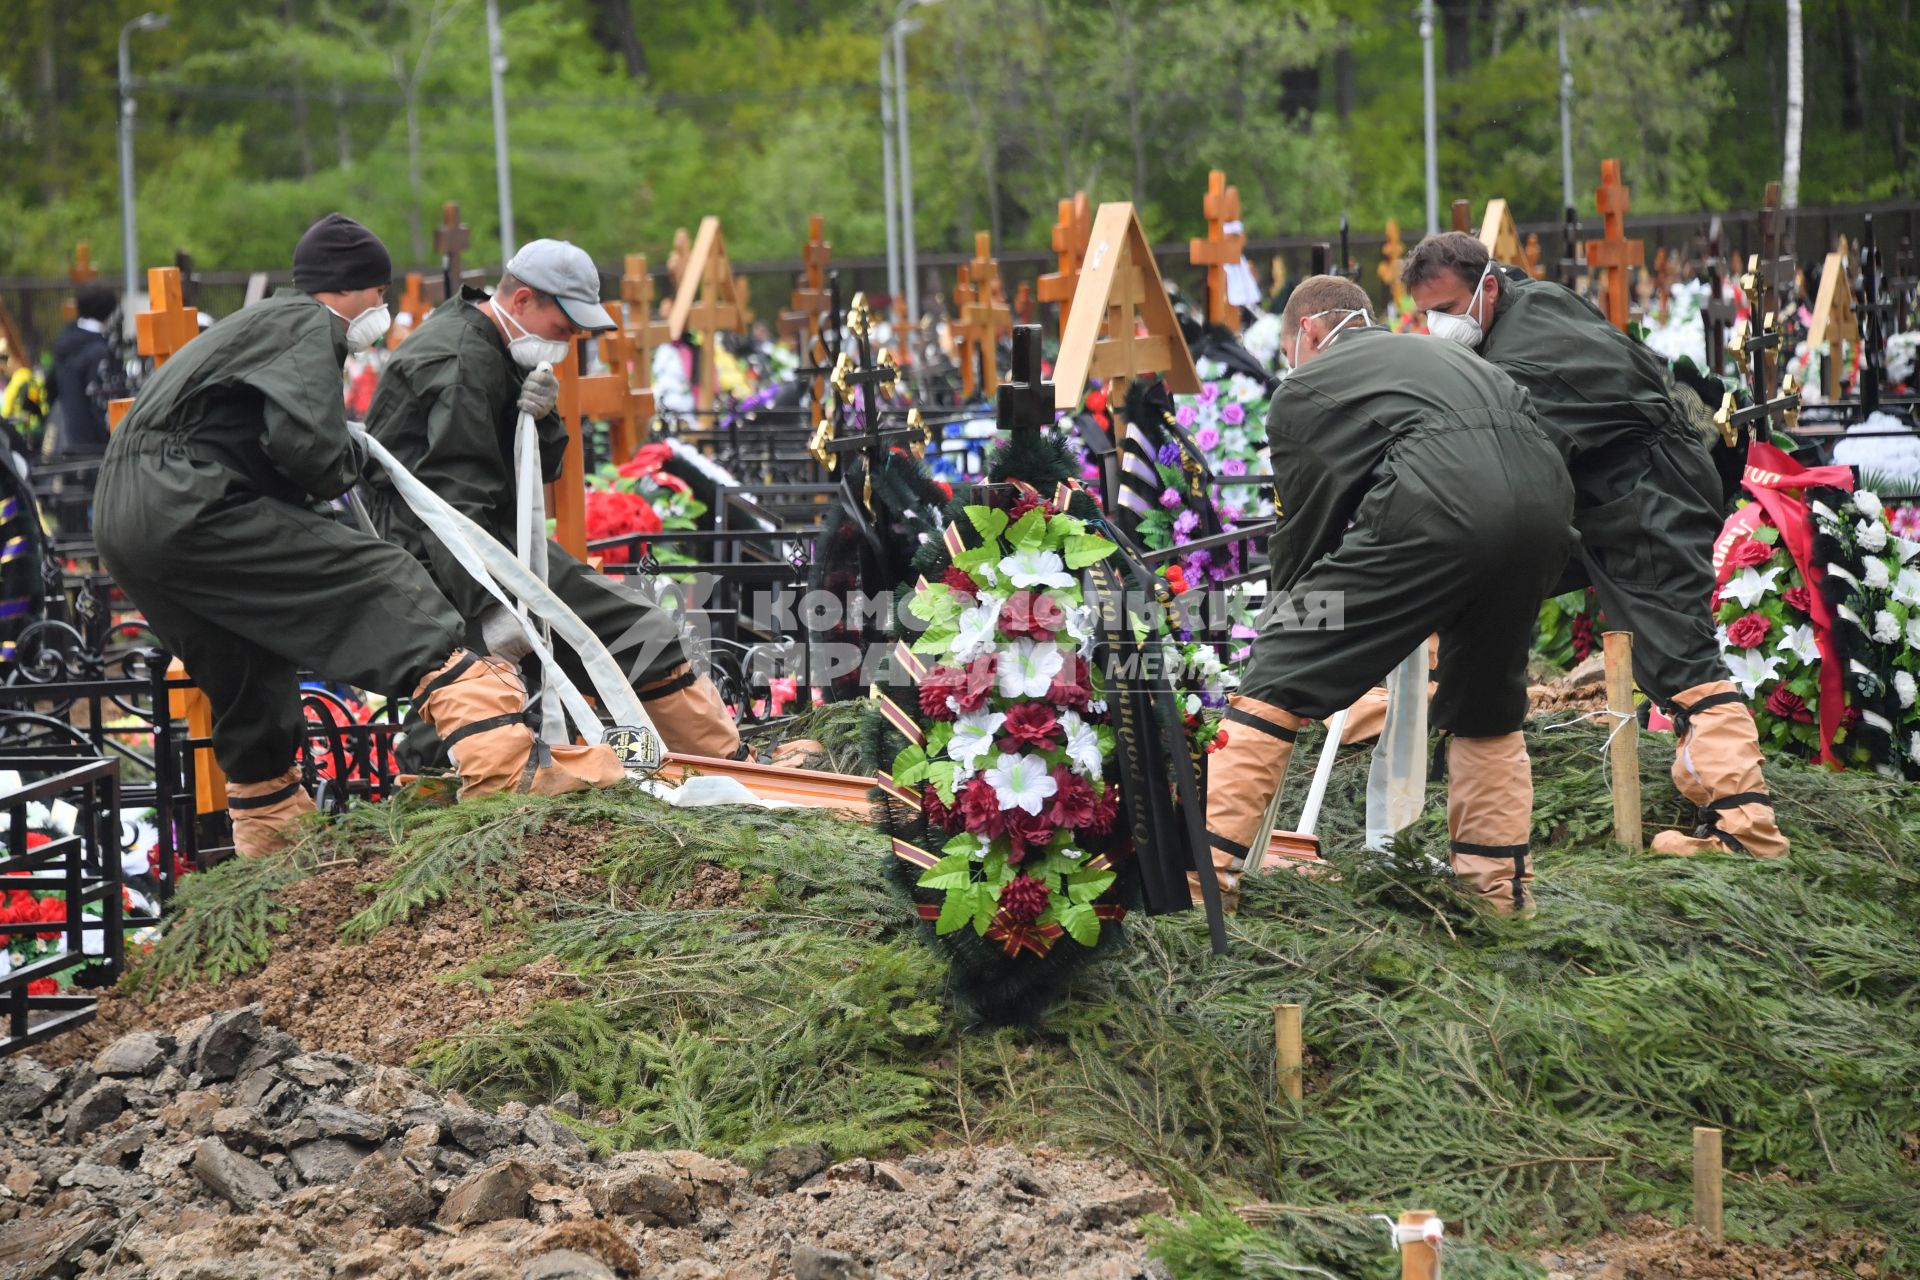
[1014, 763]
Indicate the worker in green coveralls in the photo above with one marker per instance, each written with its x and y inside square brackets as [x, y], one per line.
[1646, 504]
[210, 513]
[1417, 495]
[447, 407]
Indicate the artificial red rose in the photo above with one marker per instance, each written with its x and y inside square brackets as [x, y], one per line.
[1032, 613]
[1073, 800]
[1024, 899]
[936, 687]
[945, 489]
[960, 582]
[1788, 705]
[1106, 811]
[37, 838]
[979, 684]
[50, 911]
[1177, 579]
[1749, 552]
[1071, 686]
[1026, 503]
[939, 814]
[981, 810]
[647, 460]
[1747, 632]
[1798, 599]
[49, 987]
[1027, 833]
[1031, 724]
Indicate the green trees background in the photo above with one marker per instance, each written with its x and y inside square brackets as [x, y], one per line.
[629, 118]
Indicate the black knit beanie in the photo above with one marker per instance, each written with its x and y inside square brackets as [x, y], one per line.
[338, 255]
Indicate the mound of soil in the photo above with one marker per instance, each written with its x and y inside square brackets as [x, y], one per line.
[1652, 1249]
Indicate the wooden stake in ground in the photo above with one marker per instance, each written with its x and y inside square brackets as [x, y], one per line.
[161, 331]
[1611, 256]
[1625, 737]
[1707, 1169]
[1220, 249]
[1120, 295]
[708, 302]
[1070, 233]
[1287, 1050]
[1419, 1256]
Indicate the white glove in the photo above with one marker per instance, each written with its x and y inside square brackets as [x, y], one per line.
[540, 392]
[503, 635]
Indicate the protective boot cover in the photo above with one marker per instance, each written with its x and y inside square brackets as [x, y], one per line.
[478, 706]
[689, 715]
[1490, 818]
[1241, 779]
[1716, 764]
[1368, 714]
[264, 812]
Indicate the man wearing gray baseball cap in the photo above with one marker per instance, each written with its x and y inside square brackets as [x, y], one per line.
[447, 407]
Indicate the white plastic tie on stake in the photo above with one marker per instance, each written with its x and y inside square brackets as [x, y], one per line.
[1401, 1234]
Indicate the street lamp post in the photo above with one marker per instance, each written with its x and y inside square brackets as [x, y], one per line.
[1566, 120]
[497, 62]
[129, 249]
[890, 200]
[908, 267]
[1433, 145]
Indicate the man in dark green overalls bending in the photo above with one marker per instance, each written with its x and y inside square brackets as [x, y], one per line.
[447, 407]
[210, 515]
[1646, 503]
[1417, 495]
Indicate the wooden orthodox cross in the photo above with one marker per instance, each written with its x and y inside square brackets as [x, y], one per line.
[1392, 257]
[1613, 256]
[645, 331]
[800, 323]
[1120, 293]
[1070, 231]
[162, 330]
[449, 238]
[987, 316]
[1220, 249]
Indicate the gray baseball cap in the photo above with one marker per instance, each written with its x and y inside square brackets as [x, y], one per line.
[565, 271]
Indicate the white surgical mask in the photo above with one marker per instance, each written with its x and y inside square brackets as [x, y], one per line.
[530, 350]
[1293, 361]
[367, 328]
[1468, 329]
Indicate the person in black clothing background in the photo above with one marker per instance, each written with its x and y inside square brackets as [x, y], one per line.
[82, 375]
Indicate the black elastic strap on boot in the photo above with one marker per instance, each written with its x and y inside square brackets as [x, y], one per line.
[1682, 717]
[447, 677]
[1518, 852]
[261, 802]
[1442, 757]
[484, 726]
[1268, 727]
[684, 680]
[1233, 847]
[1708, 816]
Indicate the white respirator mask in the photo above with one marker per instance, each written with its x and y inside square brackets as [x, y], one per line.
[530, 350]
[1467, 328]
[367, 328]
[1293, 361]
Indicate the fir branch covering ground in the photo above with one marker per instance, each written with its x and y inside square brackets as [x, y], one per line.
[1530, 1080]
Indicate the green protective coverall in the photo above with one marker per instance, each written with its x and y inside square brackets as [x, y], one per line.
[1647, 507]
[1416, 495]
[447, 407]
[210, 515]
[1646, 496]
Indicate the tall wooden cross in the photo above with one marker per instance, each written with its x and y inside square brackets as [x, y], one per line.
[1663, 276]
[987, 315]
[1392, 256]
[449, 238]
[707, 303]
[800, 323]
[412, 313]
[1774, 267]
[1463, 216]
[1834, 322]
[1120, 294]
[162, 330]
[645, 331]
[81, 273]
[1220, 249]
[607, 397]
[1070, 231]
[962, 329]
[1612, 256]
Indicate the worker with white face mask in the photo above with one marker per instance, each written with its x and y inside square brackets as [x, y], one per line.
[448, 405]
[1415, 494]
[1647, 505]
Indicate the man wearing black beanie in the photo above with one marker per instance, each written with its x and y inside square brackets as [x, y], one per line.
[210, 515]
